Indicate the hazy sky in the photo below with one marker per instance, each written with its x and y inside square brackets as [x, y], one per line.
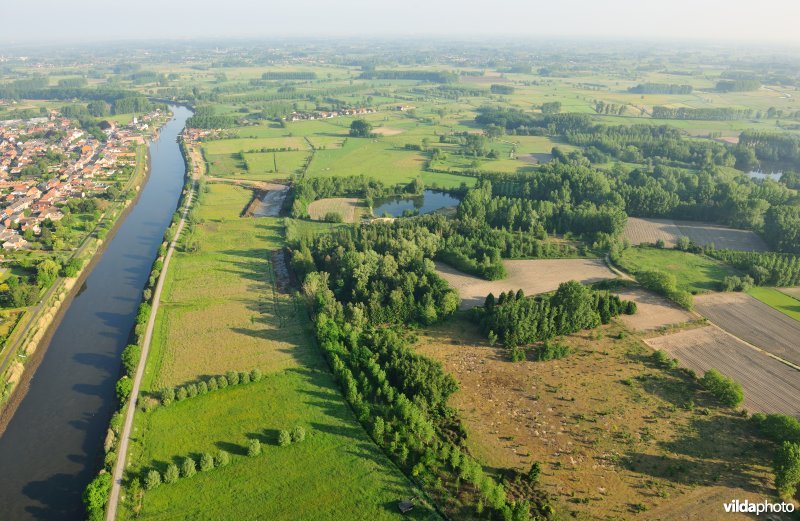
[26, 21]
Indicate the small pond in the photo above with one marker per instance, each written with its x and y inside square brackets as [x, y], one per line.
[775, 176]
[428, 202]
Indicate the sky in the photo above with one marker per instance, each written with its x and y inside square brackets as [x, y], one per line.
[771, 21]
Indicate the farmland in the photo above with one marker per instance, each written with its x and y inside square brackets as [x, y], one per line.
[785, 301]
[648, 231]
[754, 322]
[608, 428]
[769, 385]
[694, 273]
[653, 311]
[348, 208]
[219, 312]
[532, 276]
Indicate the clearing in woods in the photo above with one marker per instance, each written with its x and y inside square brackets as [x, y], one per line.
[769, 385]
[531, 275]
[349, 208]
[653, 311]
[648, 231]
[611, 430]
[754, 322]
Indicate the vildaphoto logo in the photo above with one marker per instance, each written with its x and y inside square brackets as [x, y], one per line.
[764, 507]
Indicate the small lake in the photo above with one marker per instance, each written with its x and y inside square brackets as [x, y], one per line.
[775, 176]
[428, 202]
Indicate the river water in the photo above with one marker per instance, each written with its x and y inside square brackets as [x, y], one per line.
[53, 444]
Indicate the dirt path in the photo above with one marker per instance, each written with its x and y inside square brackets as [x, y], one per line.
[125, 435]
[272, 203]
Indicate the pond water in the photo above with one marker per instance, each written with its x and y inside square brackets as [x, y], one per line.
[775, 176]
[428, 202]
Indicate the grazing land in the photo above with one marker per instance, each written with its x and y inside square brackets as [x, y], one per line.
[648, 231]
[694, 273]
[769, 386]
[611, 431]
[652, 311]
[531, 275]
[754, 322]
[220, 312]
[349, 208]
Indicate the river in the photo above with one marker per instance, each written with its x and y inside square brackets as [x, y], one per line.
[54, 443]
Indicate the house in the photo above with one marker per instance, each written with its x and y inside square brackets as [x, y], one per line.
[15, 243]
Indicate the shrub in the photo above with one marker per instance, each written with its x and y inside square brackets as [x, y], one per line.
[333, 217]
[222, 382]
[95, 496]
[167, 395]
[550, 351]
[206, 462]
[778, 427]
[723, 388]
[188, 468]
[130, 358]
[284, 438]
[124, 388]
[172, 473]
[152, 480]
[298, 434]
[517, 354]
[255, 375]
[787, 469]
[244, 378]
[182, 394]
[191, 390]
[663, 360]
[202, 388]
[223, 458]
[253, 448]
[212, 384]
[233, 377]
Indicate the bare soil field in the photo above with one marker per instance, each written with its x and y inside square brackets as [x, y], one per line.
[754, 322]
[769, 385]
[532, 276]
[792, 292]
[653, 311]
[348, 207]
[272, 203]
[639, 231]
[608, 428]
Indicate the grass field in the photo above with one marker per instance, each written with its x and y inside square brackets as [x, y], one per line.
[612, 432]
[369, 157]
[694, 273]
[219, 313]
[784, 303]
[349, 209]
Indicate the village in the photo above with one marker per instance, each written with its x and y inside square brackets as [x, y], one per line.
[46, 161]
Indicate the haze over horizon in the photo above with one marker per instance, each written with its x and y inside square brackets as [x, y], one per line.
[54, 21]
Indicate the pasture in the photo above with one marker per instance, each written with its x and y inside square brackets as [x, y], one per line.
[531, 275]
[754, 322]
[609, 429]
[694, 273]
[648, 231]
[769, 386]
[349, 208]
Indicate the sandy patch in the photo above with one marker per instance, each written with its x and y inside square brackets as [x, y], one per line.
[653, 311]
[387, 131]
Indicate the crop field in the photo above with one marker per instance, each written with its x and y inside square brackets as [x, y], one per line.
[609, 430]
[653, 311]
[769, 386]
[349, 208]
[792, 292]
[530, 275]
[694, 273]
[648, 231]
[754, 322]
[219, 313]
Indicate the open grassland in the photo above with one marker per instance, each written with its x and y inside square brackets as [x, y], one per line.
[769, 386]
[369, 157]
[349, 208]
[613, 433]
[754, 322]
[282, 164]
[220, 313]
[694, 273]
[652, 311]
[233, 146]
[786, 300]
[648, 231]
[531, 275]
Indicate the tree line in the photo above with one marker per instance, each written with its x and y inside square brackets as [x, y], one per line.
[705, 114]
[660, 88]
[418, 75]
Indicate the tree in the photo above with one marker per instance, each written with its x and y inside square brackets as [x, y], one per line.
[188, 467]
[253, 448]
[360, 128]
[223, 458]
[723, 388]
[46, 272]
[298, 434]
[255, 375]
[167, 395]
[206, 462]
[284, 438]
[222, 382]
[130, 358]
[152, 480]
[233, 377]
[787, 469]
[124, 388]
[172, 473]
[534, 472]
[95, 496]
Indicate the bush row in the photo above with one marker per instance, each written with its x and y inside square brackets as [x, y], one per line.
[169, 395]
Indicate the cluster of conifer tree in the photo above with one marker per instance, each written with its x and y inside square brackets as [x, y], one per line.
[766, 268]
[516, 320]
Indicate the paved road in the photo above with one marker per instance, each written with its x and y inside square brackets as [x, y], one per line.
[125, 435]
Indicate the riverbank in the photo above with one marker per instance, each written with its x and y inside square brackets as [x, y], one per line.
[22, 355]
